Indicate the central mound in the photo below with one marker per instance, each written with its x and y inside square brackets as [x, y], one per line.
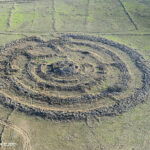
[62, 68]
[72, 77]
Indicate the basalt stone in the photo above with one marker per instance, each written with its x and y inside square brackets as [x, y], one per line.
[62, 68]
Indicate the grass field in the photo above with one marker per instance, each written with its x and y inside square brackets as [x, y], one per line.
[123, 21]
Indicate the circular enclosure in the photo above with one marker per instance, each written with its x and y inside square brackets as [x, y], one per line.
[72, 77]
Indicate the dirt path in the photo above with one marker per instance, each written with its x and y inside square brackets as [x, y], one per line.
[3, 128]
[23, 133]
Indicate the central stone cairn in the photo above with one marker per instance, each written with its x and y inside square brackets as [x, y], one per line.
[62, 68]
[72, 77]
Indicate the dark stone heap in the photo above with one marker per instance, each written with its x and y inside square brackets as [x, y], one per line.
[62, 68]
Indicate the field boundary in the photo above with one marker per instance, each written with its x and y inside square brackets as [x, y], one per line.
[128, 15]
[100, 33]
[11, 14]
[53, 16]
[86, 15]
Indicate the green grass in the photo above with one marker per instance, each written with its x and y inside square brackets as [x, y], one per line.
[35, 18]
[4, 112]
[20, 19]
[70, 16]
[105, 86]
[107, 16]
[8, 38]
[140, 13]
[4, 14]
[140, 43]
[104, 16]
[3, 22]
[90, 19]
